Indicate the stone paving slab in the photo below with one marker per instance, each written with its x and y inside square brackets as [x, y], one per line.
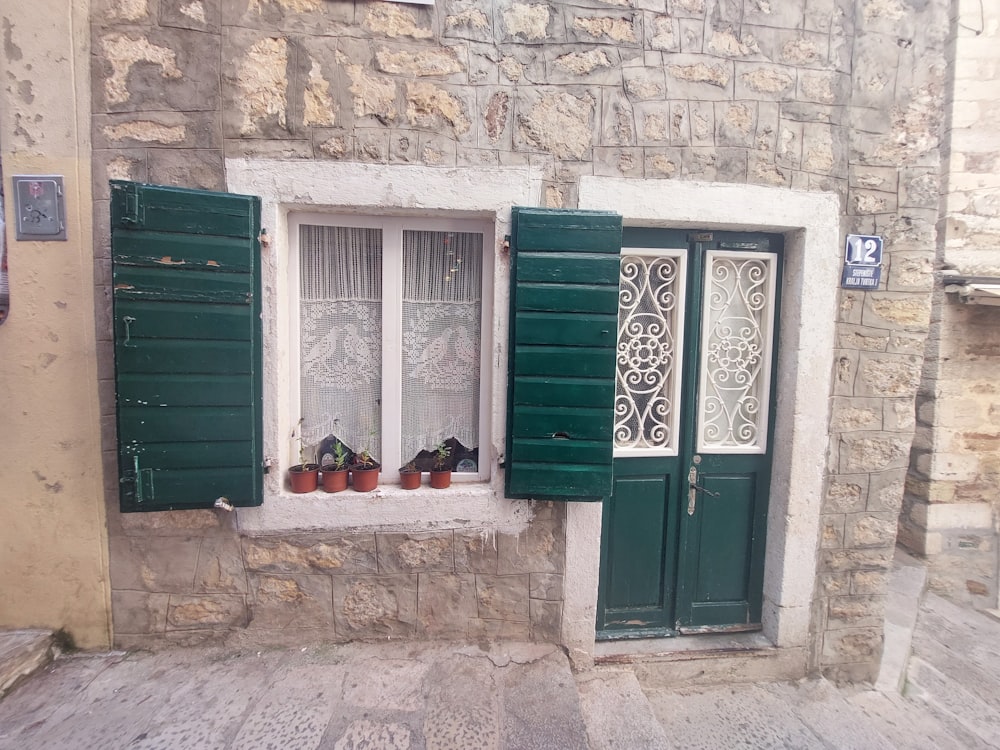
[412, 696]
[22, 652]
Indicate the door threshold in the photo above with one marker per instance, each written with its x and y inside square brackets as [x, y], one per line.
[686, 647]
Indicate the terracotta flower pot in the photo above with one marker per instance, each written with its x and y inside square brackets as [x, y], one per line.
[441, 479]
[364, 480]
[334, 480]
[304, 477]
[409, 480]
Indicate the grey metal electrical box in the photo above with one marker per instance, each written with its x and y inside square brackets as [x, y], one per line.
[39, 207]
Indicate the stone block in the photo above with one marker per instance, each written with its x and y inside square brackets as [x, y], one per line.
[499, 630]
[503, 597]
[255, 85]
[724, 164]
[834, 584]
[699, 77]
[855, 612]
[468, 22]
[888, 375]
[207, 611]
[138, 612]
[845, 368]
[202, 15]
[475, 551]
[941, 516]
[898, 414]
[762, 81]
[853, 414]
[446, 602]
[156, 68]
[220, 567]
[349, 554]
[545, 586]
[584, 26]
[862, 338]
[184, 523]
[375, 606]
[157, 129]
[416, 553]
[866, 452]
[569, 64]
[445, 109]
[541, 548]
[559, 121]
[839, 560]
[885, 491]
[645, 84]
[291, 601]
[869, 582]
[521, 22]
[736, 124]
[831, 534]
[154, 564]
[495, 106]
[845, 494]
[299, 16]
[761, 170]
[263, 148]
[194, 168]
[619, 162]
[618, 124]
[870, 530]
[546, 620]
[849, 645]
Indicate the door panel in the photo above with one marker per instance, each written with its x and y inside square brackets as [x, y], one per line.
[684, 530]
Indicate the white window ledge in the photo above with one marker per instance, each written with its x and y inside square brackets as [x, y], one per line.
[388, 508]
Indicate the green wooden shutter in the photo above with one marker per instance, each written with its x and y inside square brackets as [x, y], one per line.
[187, 346]
[563, 333]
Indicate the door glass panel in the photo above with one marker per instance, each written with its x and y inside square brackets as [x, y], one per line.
[734, 381]
[650, 304]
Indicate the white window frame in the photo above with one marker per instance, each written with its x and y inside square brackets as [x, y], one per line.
[392, 228]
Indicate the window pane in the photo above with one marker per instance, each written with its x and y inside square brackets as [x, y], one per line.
[442, 306]
[340, 313]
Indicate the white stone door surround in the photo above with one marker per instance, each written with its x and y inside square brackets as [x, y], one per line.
[810, 222]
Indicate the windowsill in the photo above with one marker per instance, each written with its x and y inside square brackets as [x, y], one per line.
[387, 508]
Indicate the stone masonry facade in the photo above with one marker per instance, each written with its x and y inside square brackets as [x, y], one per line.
[190, 577]
[952, 501]
[842, 96]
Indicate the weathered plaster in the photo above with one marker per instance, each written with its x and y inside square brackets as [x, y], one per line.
[53, 543]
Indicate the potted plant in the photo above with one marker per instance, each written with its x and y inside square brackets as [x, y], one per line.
[364, 471]
[304, 476]
[335, 472]
[441, 471]
[409, 476]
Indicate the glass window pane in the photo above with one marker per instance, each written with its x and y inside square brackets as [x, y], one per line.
[340, 324]
[442, 307]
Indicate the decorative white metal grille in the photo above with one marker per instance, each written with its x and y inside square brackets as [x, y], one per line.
[650, 302]
[738, 313]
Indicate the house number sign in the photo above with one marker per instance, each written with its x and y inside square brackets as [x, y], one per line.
[862, 262]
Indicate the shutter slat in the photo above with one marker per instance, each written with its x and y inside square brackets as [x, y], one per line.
[563, 335]
[186, 268]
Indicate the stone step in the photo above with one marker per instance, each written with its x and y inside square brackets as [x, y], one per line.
[617, 713]
[960, 705]
[22, 653]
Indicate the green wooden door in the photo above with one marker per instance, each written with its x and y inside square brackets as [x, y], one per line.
[187, 327]
[683, 546]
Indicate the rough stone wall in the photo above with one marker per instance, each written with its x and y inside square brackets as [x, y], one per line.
[191, 577]
[952, 498]
[843, 96]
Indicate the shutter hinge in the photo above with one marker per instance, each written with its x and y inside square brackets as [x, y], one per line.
[135, 211]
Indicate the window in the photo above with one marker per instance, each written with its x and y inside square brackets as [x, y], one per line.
[391, 337]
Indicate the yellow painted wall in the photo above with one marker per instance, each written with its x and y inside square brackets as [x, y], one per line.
[53, 537]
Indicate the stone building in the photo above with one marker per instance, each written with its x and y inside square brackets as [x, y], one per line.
[721, 134]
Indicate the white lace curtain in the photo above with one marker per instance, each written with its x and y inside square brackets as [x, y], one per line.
[341, 311]
[442, 283]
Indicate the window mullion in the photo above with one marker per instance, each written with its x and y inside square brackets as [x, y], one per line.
[392, 348]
